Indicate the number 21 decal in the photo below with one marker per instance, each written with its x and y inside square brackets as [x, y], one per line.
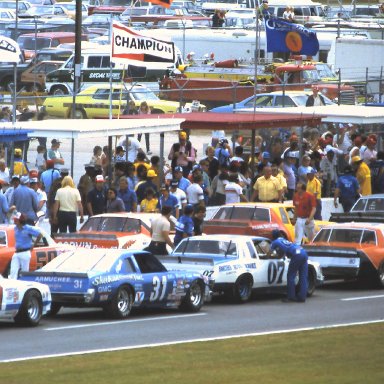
[159, 288]
[275, 272]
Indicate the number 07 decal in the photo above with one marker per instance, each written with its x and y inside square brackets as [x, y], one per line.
[159, 288]
[275, 272]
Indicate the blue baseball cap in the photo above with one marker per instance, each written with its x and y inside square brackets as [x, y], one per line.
[266, 155]
[178, 169]
[311, 170]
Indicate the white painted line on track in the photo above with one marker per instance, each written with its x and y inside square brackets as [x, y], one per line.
[122, 321]
[86, 352]
[363, 298]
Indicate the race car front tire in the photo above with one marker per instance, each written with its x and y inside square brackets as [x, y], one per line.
[242, 289]
[380, 275]
[121, 304]
[311, 282]
[194, 299]
[31, 309]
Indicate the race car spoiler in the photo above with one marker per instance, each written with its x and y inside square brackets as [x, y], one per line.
[347, 217]
[186, 260]
[324, 251]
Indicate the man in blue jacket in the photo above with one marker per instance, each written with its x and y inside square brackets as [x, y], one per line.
[298, 264]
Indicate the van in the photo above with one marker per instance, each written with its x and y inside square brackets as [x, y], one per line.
[31, 43]
[96, 68]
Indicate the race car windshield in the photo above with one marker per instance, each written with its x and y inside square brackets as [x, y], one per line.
[112, 224]
[211, 247]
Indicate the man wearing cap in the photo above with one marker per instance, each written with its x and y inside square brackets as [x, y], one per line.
[148, 183]
[265, 161]
[184, 183]
[314, 187]
[49, 176]
[265, 12]
[223, 152]
[55, 154]
[347, 189]
[24, 234]
[315, 100]
[25, 200]
[182, 154]
[19, 167]
[15, 182]
[184, 225]
[369, 153]
[129, 197]
[289, 174]
[178, 193]
[97, 198]
[166, 199]
[328, 167]
[34, 184]
[267, 188]
[363, 175]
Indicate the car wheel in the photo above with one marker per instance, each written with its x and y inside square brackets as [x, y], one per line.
[380, 275]
[194, 299]
[311, 282]
[59, 91]
[31, 309]
[121, 304]
[79, 114]
[55, 308]
[242, 289]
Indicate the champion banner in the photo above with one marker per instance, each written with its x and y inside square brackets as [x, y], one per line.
[129, 45]
[283, 36]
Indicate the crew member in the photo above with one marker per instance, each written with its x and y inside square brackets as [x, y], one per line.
[24, 234]
[298, 264]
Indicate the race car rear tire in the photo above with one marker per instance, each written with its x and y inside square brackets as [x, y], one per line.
[380, 275]
[121, 304]
[311, 282]
[59, 91]
[31, 309]
[242, 290]
[79, 114]
[194, 299]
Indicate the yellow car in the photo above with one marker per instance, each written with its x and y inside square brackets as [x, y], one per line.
[94, 102]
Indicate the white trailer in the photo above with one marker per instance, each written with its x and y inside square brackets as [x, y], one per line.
[359, 59]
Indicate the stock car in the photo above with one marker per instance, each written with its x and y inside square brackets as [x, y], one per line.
[117, 280]
[112, 230]
[236, 264]
[23, 301]
[366, 209]
[350, 251]
[43, 252]
[255, 219]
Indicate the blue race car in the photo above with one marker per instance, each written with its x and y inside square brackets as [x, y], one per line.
[117, 280]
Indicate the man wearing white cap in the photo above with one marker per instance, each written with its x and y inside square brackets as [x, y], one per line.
[55, 154]
[97, 198]
[24, 234]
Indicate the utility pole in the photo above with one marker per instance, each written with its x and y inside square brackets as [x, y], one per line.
[77, 62]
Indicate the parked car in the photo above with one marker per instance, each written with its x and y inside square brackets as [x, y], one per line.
[350, 251]
[118, 280]
[94, 102]
[7, 15]
[22, 5]
[71, 9]
[47, 10]
[237, 264]
[270, 100]
[366, 209]
[23, 301]
[112, 230]
[42, 253]
[254, 219]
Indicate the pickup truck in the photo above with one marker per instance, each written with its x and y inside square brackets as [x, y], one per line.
[237, 264]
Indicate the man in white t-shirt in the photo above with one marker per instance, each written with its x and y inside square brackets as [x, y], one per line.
[179, 194]
[195, 194]
[132, 146]
[233, 191]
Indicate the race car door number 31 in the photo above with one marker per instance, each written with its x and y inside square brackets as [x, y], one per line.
[159, 288]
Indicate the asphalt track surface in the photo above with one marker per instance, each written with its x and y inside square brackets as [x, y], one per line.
[79, 331]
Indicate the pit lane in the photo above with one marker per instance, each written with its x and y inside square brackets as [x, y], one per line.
[78, 331]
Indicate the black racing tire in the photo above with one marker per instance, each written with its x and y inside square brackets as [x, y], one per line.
[58, 90]
[242, 289]
[79, 114]
[121, 304]
[380, 275]
[55, 308]
[31, 309]
[194, 299]
[311, 282]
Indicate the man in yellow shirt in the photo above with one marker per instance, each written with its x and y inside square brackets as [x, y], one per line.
[267, 188]
[279, 174]
[314, 187]
[363, 175]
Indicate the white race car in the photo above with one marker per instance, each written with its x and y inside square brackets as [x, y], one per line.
[23, 301]
[237, 264]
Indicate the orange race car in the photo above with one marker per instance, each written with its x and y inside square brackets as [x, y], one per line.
[42, 253]
[112, 230]
[350, 250]
[254, 219]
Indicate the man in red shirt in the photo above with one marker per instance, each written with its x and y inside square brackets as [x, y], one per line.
[305, 208]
